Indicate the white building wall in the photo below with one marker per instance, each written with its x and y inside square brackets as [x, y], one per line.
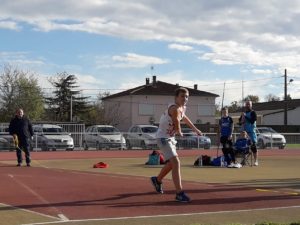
[278, 118]
[138, 109]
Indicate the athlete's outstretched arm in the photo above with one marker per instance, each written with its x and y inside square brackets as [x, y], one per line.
[191, 125]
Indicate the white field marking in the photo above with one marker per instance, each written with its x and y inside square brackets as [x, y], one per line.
[63, 217]
[30, 190]
[29, 211]
[167, 215]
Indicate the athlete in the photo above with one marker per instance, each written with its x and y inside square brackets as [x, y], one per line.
[169, 126]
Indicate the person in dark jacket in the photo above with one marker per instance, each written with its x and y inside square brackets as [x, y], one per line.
[21, 129]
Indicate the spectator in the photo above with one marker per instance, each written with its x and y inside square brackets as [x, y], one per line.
[243, 144]
[248, 122]
[21, 129]
[226, 129]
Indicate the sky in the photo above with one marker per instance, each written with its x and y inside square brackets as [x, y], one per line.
[113, 45]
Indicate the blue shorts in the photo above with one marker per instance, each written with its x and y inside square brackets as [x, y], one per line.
[252, 136]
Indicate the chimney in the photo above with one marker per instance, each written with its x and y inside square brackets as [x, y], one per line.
[154, 80]
[195, 86]
[147, 81]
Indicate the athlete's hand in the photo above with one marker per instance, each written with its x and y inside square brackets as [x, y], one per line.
[198, 132]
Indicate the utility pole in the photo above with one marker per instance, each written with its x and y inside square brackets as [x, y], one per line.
[285, 99]
[223, 97]
[71, 109]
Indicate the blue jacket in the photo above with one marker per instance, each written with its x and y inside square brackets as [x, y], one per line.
[242, 144]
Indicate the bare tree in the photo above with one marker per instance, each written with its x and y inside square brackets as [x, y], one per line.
[20, 89]
[253, 98]
[272, 98]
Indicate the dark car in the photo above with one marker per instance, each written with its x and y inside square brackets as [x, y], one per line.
[191, 140]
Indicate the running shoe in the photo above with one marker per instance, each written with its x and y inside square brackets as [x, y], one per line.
[182, 197]
[157, 185]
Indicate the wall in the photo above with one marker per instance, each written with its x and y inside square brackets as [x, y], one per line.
[278, 118]
[134, 109]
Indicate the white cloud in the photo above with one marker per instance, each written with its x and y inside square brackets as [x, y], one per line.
[10, 25]
[179, 47]
[230, 32]
[20, 59]
[129, 60]
[260, 71]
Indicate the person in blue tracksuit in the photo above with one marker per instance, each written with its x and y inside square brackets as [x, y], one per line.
[21, 129]
[243, 143]
[248, 123]
[226, 127]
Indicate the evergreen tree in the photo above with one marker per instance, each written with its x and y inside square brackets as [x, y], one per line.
[66, 98]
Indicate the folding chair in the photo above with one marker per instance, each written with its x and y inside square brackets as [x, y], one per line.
[243, 155]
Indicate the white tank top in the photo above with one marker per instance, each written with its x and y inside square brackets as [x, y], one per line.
[166, 127]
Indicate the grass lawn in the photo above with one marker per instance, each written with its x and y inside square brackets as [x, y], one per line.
[293, 146]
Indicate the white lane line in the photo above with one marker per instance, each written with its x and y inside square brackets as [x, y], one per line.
[29, 211]
[34, 193]
[63, 217]
[167, 215]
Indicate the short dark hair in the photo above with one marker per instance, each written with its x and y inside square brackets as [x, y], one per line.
[181, 90]
[224, 108]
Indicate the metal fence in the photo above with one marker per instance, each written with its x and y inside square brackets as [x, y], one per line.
[137, 141]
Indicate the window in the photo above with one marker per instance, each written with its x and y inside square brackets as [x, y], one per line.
[146, 109]
[206, 110]
[133, 130]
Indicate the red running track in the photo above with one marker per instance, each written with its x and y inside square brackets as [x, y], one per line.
[80, 195]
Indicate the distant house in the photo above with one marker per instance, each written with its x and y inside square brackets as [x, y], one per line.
[145, 104]
[272, 113]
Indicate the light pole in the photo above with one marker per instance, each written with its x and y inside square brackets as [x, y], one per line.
[286, 99]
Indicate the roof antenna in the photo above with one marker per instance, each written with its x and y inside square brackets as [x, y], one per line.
[152, 69]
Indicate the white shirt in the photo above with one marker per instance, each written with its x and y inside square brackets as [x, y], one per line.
[166, 127]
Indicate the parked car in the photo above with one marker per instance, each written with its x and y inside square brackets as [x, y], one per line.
[5, 145]
[51, 137]
[191, 140]
[103, 136]
[267, 137]
[6, 140]
[141, 136]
